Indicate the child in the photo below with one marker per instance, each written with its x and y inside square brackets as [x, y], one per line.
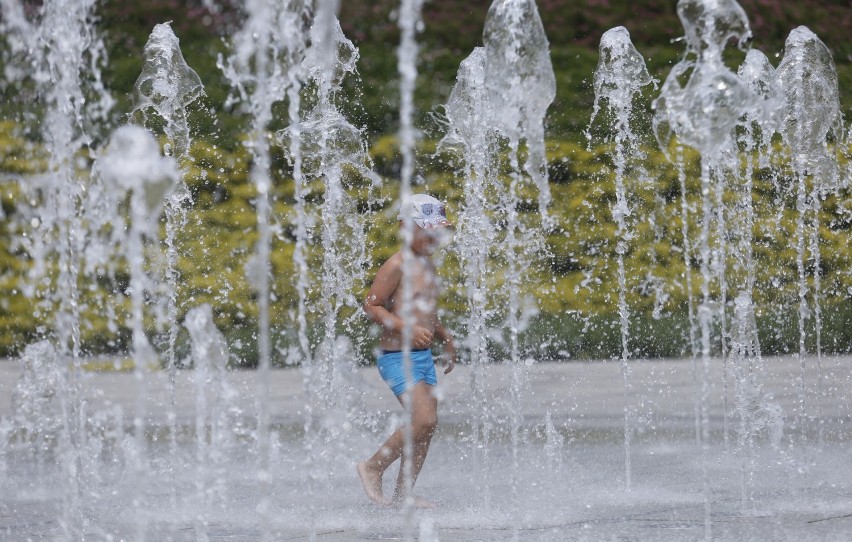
[384, 306]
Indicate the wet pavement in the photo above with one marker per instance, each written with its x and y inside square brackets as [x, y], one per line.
[554, 468]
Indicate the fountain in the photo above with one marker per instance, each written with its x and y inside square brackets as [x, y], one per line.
[621, 74]
[811, 114]
[165, 441]
[164, 90]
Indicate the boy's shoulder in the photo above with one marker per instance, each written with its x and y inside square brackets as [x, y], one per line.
[395, 260]
[392, 264]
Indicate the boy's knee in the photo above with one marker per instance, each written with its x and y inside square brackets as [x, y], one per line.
[424, 426]
[432, 423]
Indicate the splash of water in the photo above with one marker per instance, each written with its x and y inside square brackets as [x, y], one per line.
[755, 137]
[554, 446]
[620, 76]
[132, 165]
[264, 66]
[521, 84]
[702, 113]
[212, 396]
[38, 394]
[166, 87]
[810, 117]
[468, 117]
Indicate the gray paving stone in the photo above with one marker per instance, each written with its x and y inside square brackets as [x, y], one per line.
[568, 483]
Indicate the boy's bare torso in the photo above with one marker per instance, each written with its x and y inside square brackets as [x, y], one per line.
[423, 311]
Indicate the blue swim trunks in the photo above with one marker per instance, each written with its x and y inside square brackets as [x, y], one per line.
[392, 369]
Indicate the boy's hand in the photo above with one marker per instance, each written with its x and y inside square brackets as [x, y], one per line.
[449, 363]
[449, 356]
[421, 337]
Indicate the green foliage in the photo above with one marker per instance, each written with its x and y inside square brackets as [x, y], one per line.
[573, 282]
[17, 320]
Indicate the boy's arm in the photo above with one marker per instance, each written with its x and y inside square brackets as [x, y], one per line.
[383, 287]
[385, 284]
[449, 346]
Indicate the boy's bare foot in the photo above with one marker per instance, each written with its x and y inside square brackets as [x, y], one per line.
[372, 482]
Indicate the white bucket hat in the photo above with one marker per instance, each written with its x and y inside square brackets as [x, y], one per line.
[426, 211]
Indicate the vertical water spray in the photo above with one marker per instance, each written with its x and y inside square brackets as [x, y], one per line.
[54, 52]
[410, 22]
[132, 165]
[210, 356]
[755, 138]
[164, 90]
[300, 193]
[332, 151]
[725, 167]
[521, 86]
[702, 113]
[264, 65]
[725, 174]
[65, 46]
[685, 211]
[620, 76]
[653, 284]
[469, 133]
[810, 119]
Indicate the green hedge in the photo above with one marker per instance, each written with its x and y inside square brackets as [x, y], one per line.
[572, 285]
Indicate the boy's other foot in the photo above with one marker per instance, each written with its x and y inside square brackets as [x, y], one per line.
[424, 504]
[372, 482]
[419, 502]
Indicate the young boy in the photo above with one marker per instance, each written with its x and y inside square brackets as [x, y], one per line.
[384, 306]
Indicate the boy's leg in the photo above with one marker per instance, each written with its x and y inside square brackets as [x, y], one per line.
[424, 419]
[371, 470]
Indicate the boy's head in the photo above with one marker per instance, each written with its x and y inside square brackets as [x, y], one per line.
[426, 211]
[430, 217]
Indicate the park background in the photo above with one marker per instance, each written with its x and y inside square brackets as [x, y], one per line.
[571, 289]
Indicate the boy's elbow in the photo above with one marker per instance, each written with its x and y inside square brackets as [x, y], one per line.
[369, 309]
